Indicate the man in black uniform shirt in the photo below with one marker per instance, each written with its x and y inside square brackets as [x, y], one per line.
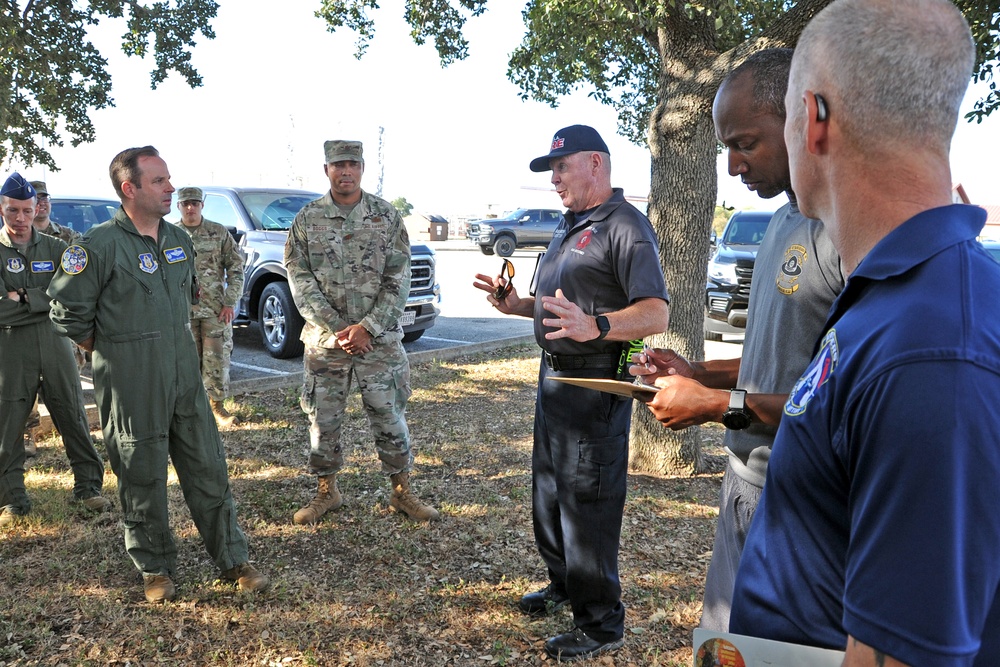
[599, 286]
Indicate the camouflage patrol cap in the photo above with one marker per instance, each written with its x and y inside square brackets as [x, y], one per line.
[40, 187]
[338, 150]
[190, 194]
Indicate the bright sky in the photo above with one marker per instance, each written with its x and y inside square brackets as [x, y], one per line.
[457, 141]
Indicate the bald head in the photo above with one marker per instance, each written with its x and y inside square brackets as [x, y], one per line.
[894, 73]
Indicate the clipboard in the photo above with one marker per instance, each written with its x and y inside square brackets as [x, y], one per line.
[640, 392]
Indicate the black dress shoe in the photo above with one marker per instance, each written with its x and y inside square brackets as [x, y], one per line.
[576, 645]
[543, 602]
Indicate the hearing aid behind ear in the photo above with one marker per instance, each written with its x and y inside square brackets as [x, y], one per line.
[820, 107]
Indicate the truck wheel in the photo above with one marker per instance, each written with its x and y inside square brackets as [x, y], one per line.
[504, 246]
[486, 250]
[411, 336]
[280, 322]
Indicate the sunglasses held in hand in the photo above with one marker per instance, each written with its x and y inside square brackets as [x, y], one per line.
[506, 281]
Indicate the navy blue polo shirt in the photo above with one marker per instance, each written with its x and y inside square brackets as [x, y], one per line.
[881, 509]
[602, 264]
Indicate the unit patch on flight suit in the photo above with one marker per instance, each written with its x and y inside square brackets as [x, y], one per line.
[15, 265]
[174, 255]
[74, 260]
[147, 264]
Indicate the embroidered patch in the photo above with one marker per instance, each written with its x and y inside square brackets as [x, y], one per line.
[790, 272]
[819, 371]
[43, 267]
[174, 255]
[583, 242]
[74, 260]
[147, 264]
[15, 265]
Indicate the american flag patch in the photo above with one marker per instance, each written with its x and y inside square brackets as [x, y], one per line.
[558, 142]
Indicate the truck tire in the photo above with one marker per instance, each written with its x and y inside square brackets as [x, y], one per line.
[486, 250]
[280, 322]
[505, 246]
[413, 335]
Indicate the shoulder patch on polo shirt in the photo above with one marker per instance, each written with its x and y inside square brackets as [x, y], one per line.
[74, 260]
[819, 371]
[15, 265]
[43, 266]
[174, 255]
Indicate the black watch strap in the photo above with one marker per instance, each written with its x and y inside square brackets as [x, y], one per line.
[603, 326]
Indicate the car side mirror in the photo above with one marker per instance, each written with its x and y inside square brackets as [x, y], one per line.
[524, 219]
[236, 233]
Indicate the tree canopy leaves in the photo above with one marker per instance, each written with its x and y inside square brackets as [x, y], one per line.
[52, 76]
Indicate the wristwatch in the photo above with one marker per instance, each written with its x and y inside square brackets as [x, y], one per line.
[603, 326]
[736, 417]
[22, 295]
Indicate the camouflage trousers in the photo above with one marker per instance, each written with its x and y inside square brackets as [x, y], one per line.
[215, 346]
[383, 376]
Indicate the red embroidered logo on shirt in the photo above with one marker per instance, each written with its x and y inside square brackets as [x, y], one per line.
[584, 239]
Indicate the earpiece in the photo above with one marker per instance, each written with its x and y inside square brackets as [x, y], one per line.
[821, 113]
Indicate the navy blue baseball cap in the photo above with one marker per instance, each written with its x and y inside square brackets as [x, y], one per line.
[16, 187]
[572, 139]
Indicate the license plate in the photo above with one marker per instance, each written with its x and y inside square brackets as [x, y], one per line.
[408, 318]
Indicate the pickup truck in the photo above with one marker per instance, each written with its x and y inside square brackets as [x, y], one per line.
[523, 228]
[259, 219]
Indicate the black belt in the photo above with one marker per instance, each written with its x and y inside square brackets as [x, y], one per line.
[575, 362]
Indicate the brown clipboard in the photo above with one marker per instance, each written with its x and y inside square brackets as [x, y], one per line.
[640, 392]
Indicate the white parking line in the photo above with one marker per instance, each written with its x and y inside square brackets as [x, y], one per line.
[447, 340]
[260, 369]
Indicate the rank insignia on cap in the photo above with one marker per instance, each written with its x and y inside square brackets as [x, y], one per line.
[174, 255]
[147, 264]
[43, 267]
[15, 265]
[74, 260]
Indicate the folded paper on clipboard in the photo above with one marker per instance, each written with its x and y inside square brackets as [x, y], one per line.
[640, 392]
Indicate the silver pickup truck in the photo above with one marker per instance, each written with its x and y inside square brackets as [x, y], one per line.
[260, 218]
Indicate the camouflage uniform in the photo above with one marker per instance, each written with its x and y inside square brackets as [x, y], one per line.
[67, 235]
[344, 270]
[219, 267]
[32, 356]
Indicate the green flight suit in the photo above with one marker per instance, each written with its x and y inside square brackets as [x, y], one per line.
[33, 356]
[134, 296]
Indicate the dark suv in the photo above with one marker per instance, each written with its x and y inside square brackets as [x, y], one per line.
[260, 218]
[525, 227]
[727, 291]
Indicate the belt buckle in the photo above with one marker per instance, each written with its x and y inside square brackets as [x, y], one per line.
[553, 362]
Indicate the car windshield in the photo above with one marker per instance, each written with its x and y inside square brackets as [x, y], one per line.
[514, 215]
[747, 230]
[275, 210]
[82, 214]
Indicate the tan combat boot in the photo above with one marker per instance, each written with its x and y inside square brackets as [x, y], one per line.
[247, 577]
[327, 498]
[222, 416]
[403, 500]
[158, 588]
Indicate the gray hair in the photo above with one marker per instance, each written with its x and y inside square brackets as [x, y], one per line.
[895, 70]
[769, 69]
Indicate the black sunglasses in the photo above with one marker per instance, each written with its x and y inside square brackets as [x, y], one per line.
[506, 281]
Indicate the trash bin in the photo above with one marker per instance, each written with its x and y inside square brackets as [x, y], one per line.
[439, 231]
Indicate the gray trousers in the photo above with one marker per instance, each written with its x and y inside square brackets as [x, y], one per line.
[738, 501]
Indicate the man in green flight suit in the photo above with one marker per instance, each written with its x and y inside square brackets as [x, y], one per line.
[219, 268]
[32, 356]
[125, 293]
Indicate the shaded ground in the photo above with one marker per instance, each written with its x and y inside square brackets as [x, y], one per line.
[365, 587]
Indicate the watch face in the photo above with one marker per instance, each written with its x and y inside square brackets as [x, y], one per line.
[736, 420]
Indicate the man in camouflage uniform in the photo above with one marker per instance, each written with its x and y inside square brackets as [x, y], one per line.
[219, 267]
[348, 263]
[69, 236]
[32, 355]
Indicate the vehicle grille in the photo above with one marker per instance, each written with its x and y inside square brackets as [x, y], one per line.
[421, 274]
[473, 228]
[744, 274]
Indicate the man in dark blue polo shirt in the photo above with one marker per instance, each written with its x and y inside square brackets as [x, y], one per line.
[599, 286]
[878, 530]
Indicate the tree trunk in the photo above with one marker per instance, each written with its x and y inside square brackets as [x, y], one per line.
[682, 200]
